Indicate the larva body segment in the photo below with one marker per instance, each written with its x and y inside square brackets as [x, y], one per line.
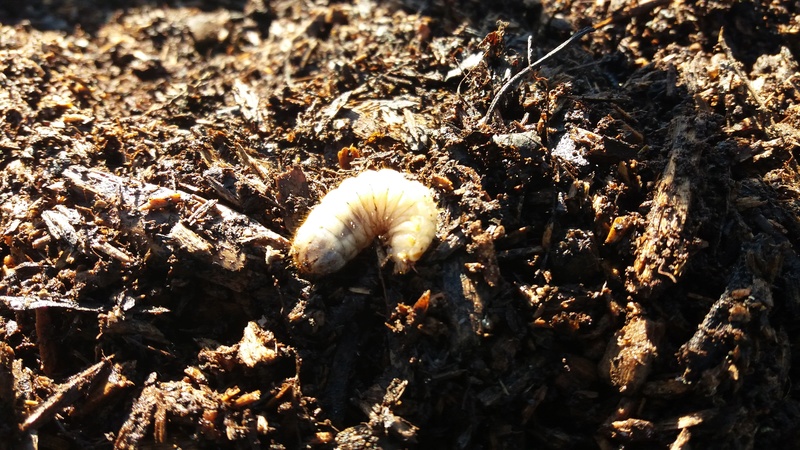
[375, 203]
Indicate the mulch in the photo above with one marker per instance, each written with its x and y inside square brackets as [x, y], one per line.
[615, 265]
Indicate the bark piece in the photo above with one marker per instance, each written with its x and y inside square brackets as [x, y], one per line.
[27, 303]
[663, 249]
[293, 194]
[61, 229]
[731, 321]
[467, 300]
[630, 354]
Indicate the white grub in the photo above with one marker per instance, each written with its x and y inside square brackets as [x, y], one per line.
[375, 203]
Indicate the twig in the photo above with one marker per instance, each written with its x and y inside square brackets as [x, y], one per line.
[737, 67]
[615, 18]
[522, 73]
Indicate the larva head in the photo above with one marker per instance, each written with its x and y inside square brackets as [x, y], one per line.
[317, 257]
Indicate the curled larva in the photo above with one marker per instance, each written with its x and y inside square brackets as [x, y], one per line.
[375, 203]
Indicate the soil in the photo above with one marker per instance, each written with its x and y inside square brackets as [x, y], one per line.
[616, 259]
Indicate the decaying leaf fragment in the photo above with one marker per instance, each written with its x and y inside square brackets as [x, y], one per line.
[257, 347]
[134, 195]
[384, 428]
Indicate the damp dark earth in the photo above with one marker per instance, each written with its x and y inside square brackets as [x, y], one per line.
[615, 259]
